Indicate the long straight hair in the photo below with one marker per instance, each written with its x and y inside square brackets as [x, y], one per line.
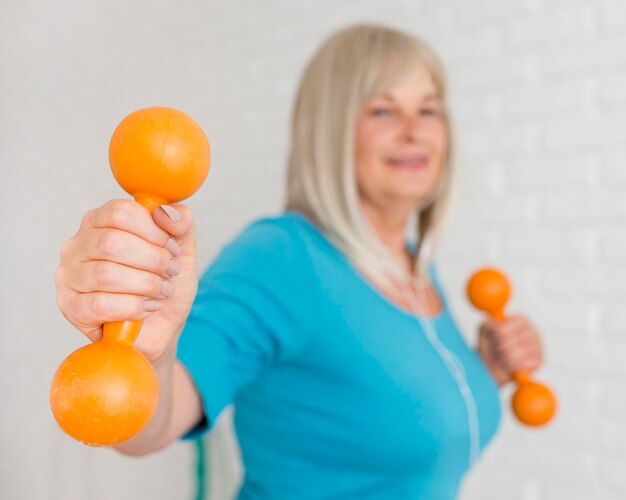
[346, 71]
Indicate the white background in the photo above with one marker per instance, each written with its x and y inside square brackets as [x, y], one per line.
[539, 95]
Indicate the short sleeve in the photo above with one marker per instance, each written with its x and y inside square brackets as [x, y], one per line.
[251, 311]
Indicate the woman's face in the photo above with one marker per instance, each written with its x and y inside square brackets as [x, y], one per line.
[401, 143]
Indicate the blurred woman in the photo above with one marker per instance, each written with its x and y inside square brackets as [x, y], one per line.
[325, 325]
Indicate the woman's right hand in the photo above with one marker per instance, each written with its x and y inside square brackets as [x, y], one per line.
[126, 264]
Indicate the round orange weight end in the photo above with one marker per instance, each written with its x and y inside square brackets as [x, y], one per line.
[489, 290]
[104, 393]
[159, 151]
[533, 404]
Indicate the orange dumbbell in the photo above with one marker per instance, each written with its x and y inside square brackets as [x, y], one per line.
[106, 392]
[533, 403]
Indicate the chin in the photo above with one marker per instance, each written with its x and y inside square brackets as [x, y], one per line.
[412, 195]
[411, 201]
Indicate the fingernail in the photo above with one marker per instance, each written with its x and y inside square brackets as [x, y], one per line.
[173, 268]
[167, 289]
[173, 247]
[151, 305]
[172, 213]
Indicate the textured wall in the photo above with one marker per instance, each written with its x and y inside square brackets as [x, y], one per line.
[538, 95]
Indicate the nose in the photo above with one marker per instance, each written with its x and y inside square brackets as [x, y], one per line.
[411, 128]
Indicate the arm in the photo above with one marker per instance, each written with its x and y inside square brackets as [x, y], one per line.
[125, 263]
[179, 410]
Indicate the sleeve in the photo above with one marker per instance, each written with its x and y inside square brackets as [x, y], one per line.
[249, 313]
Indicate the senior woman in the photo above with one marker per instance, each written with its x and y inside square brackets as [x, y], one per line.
[325, 325]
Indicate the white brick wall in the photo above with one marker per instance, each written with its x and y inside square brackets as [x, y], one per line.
[538, 93]
[548, 147]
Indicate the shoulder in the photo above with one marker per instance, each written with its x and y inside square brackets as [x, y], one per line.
[272, 233]
[289, 234]
[267, 245]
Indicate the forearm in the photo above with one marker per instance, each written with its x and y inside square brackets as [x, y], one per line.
[179, 408]
[155, 435]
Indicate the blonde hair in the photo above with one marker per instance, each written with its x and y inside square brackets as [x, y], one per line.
[349, 67]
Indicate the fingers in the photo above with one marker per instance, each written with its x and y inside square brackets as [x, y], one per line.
[107, 276]
[88, 311]
[514, 344]
[129, 216]
[124, 232]
[176, 220]
[122, 262]
[105, 234]
[121, 247]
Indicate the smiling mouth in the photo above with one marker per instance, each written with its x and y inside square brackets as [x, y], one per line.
[410, 162]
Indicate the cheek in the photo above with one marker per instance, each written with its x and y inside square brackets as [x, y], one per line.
[364, 174]
[367, 156]
[439, 148]
[440, 140]
[365, 144]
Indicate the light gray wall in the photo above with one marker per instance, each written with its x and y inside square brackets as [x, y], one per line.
[538, 93]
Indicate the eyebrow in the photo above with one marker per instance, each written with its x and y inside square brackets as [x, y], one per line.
[389, 97]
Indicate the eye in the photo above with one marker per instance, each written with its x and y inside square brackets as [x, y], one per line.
[430, 111]
[381, 111]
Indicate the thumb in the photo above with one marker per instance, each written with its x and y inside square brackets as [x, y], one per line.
[177, 220]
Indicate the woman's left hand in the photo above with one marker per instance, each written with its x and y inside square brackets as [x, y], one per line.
[508, 346]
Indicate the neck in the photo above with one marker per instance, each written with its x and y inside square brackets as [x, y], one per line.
[389, 225]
